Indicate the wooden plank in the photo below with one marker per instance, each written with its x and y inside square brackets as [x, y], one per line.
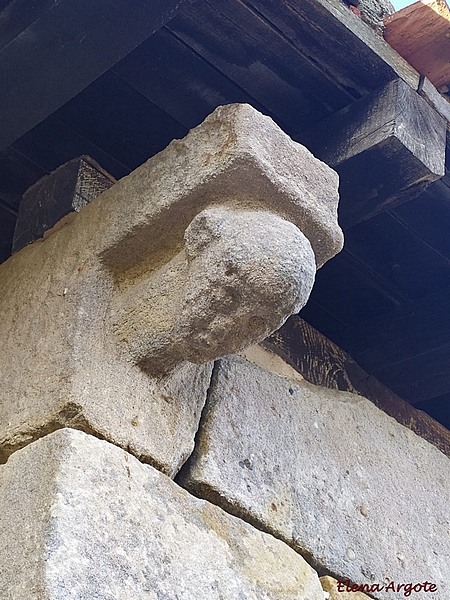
[398, 257]
[386, 148]
[17, 173]
[66, 48]
[438, 408]
[434, 98]
[319, 360]
[412, 330]
[65, 145]
[322, 362]
[7, 224]
[421, 378]
[66, 190]
[17, 15]
[351, 292]
[338, 42]
[419, 33]
[428, 216]
[119, 120]
[255, 57]
[178, 80]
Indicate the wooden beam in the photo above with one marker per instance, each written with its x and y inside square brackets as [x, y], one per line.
[178, 80]
[434, 98]
[62, 48]
[66, 190]
[422, 378]
[322, 362]
[415, 329]
[259, 60]
[386, 147]
[336, 41]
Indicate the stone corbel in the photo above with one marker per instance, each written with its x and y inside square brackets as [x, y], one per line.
[231, 224]
[109, 324]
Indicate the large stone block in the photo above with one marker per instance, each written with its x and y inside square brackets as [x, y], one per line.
[328, 472]
[83, 519]
[202, 251]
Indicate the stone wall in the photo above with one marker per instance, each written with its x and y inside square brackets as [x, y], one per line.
[142, 461]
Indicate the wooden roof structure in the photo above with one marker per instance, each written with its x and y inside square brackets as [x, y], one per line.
[119, 79]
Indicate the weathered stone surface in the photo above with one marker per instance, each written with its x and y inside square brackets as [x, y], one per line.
[96, 317]
[237, 157]
[247, 271]
[330, 585]
[328, 472]
[82, 519]
[373, 13]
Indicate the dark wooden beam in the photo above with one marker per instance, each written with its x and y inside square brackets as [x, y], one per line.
[386, 147]
[414, 330]
[422, 378]
[434, 98]
[257, 58]
[7, 224]
[336, 41]
[49, 57]
[322, 362]
[178, 80]
[66, 190]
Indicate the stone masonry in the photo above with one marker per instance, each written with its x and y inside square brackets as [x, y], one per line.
[85, 520]
[358, 494]
[117, 340]
[110, 323]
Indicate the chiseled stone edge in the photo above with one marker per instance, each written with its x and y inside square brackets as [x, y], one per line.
[228, 469]
[81, 518]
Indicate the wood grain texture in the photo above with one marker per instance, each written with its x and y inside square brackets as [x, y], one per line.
[419, 33]
[434, 98]
[66, 47]
[255, 56]
[322, 362]
[68, 189]
[386, 147]
[338, 42]
[177, 80]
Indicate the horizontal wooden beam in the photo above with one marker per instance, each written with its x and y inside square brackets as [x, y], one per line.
[61, 47]
[434, 98]
[386, 147]
[336, 41]
[413, 330]
[66, 190]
